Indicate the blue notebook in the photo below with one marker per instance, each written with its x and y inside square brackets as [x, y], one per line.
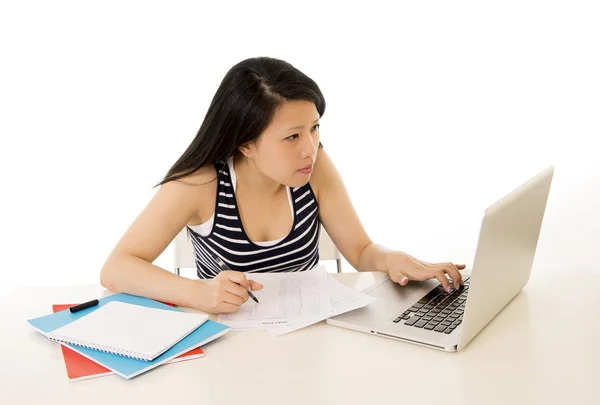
[124, 366]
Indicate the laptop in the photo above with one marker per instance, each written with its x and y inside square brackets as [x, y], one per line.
[424, 314]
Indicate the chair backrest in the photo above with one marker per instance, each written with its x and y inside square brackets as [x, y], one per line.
[183, 257]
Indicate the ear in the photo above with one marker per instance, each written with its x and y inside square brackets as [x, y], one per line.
[247, 149]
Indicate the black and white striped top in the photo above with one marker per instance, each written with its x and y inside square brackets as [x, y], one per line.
[298, 251]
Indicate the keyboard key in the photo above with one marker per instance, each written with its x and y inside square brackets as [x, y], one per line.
[413, 309]
[440, 328]
[447, 331]
[427, 318]
[434, 322]
[398, 319]
[429, 326]
[447, 323]
[412, 320]
[420, 324]
[433, 293]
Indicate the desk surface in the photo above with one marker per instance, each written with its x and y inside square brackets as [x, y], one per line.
[542, 348]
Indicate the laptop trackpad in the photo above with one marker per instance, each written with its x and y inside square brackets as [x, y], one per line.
[391, 299]
[394, 293]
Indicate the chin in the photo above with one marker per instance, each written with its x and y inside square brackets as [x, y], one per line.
[293, 183]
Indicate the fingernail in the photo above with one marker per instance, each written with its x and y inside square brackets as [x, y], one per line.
[403, 279]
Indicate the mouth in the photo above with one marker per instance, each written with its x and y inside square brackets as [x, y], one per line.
[306, 170]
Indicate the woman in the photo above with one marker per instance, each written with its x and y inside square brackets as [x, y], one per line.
[252, 188]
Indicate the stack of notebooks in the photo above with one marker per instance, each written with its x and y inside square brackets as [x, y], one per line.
[126, 335]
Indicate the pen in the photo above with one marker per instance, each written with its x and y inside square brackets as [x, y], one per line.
[223, 266]
[85, 305]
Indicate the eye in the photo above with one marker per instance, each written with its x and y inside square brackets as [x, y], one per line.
[316, 127]
[292, 137]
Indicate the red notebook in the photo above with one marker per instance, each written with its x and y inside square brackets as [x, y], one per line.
[81, 368]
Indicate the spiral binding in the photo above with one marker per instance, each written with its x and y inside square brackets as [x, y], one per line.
[100, 348]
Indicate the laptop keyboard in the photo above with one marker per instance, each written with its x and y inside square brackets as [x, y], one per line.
[438, 311]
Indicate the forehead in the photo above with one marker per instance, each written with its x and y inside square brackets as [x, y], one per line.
[293, 114]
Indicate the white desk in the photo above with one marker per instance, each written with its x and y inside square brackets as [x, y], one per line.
[544, 348]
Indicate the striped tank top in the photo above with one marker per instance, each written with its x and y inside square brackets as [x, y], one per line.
[226, 238]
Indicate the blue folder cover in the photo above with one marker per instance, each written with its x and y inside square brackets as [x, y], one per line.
[124, 366]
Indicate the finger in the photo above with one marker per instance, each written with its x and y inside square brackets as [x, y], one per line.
[255, 286]
[226, 307]
[235, 289]
[233, 298]
[441, 276]
[399, 278]
[454, 274]
[458, 281]
[238, 277]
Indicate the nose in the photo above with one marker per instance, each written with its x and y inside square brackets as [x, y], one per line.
[308, 147]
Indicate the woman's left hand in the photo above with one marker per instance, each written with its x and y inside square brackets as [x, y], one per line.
[403, 267]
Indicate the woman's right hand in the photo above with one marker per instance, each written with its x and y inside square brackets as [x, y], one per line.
[225, 293]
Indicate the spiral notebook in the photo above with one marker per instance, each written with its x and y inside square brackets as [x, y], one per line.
[125, 366]
[129, 330]
[80, 368]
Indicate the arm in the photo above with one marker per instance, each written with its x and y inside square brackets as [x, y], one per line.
[341, 221]
[129, 267]
[343, 225]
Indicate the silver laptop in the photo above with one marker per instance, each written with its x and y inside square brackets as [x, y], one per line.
[423, 313]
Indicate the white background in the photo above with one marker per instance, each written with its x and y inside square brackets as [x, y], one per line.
[434, 111]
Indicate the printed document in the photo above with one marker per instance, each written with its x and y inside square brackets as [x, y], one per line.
[286, 299]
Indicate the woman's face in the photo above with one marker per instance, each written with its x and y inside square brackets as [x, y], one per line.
[289, 144]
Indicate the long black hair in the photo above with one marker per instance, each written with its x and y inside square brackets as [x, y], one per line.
[242, 108]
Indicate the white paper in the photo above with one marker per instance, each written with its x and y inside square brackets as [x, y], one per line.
[287, 298]
[343, 299]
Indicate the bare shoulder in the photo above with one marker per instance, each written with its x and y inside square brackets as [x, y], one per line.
[324, 173]
[200, 177]
[196, 191]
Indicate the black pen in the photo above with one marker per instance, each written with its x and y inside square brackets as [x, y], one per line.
[223, 266]
[85, 305]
